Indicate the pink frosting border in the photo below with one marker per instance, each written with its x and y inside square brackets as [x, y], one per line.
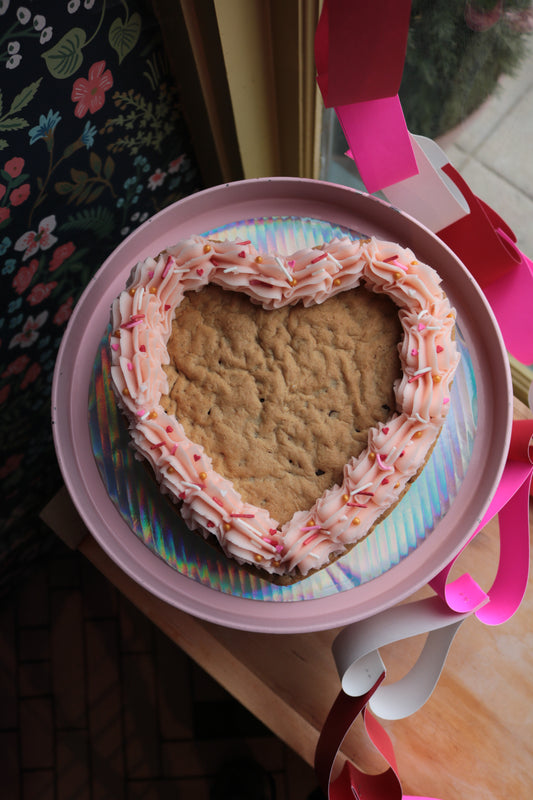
[372, 483]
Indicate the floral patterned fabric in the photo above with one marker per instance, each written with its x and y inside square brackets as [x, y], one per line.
[92, 142]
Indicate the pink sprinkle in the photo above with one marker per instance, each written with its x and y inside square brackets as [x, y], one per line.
[415, 377]
[130, 366]
[214, 263]
[310, 539]
[246, 242]
[218, 501]
[182, 495]
[136, 317]
[421, 326]
[268, 540]
[382, 464]
[385, 431]
[167, 267]
[279, 548]
[242, 254]
[156, 446]
[384, 481]
[272, 531]
[141, 412]
[319, 258]
[310, 528]
[199, 271]
[414, 352]
[114, 346]
[440, 348]
[173, 451]
[402, 454]
[390, 259]
[446, 400]
[353, 504]
[243, 516]
[196, 457]
[367, 494]
[169, 429]
[167, 307]
[255, 282]
[151, 274]
[210, 524]
[127, 325]
[291, 263]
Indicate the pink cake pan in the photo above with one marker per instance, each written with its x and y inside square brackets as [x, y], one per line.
[258, 199]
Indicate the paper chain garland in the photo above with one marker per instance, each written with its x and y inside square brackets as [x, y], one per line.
[416, 176]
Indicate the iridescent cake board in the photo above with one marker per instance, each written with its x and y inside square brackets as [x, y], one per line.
[137, 527]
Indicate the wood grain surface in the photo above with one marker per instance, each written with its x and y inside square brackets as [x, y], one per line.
[473, 739]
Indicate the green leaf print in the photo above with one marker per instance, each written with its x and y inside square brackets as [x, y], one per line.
[123, 36]
[65, 57]
[22, 99]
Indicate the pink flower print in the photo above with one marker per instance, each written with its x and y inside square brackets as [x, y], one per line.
[60, 254]
[20, 194]
[157, 179]
[89, 95]
[16, 367]
[30, 331]
[31, 241]
[175, 165]
[63, 312]
[31, 375]
[4, 393]
[2, 190]
[4, 214]
[13, 167]
[24, 276]
[40, 292]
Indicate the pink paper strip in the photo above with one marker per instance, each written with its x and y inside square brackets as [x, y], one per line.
[378, 141]
[362, 85]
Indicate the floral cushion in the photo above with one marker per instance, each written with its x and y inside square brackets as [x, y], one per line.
[92, 142]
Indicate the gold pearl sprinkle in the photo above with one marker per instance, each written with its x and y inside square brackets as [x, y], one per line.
[207, 248]
[417, 435]
[397, 275]
[126, 391]
[170, 470]
[436, 379]
[132, 291]
[259, 260]
[117, 334]
[258, 558]
[414, 263]
[152, 415]
[202, 476]
[397, 485]
[372, 456]
[337, 282]
[226, 526]
[293, 282]
[345, 498]
[356, 521]
[153, 290]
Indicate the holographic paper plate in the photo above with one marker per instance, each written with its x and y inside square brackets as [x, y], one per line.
[156, 523]
[135, 525]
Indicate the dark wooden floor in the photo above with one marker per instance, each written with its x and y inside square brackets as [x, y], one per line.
[96, 703]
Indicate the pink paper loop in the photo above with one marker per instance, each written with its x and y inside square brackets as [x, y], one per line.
[511, 503]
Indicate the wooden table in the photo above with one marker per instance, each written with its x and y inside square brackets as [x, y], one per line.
[473, 739]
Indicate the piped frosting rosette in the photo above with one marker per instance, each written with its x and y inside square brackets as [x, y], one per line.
[396, 451]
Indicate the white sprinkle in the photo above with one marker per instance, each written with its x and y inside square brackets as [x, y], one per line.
[360, 489]
[423, 313]
[422, 371]
[283, 268]
[421, 419]
[390, 455]
[231, 269]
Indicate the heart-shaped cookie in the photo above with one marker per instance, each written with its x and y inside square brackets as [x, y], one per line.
[396, 449]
